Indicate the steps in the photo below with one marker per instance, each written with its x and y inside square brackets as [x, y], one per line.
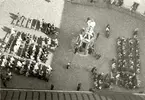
[21, 94]
[27, 94]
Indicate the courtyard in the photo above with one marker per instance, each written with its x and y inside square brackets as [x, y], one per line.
[70, 19]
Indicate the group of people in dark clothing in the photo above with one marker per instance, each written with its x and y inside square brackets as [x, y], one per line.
[101, 80]
[47, 28]
[126, 68]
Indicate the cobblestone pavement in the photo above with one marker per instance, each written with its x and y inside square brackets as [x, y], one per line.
[73, 18]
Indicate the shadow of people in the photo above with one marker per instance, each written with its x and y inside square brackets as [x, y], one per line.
[6, 29]
[47, 1]
[13, 16]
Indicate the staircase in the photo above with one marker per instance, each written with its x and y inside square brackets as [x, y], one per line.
[27, 94]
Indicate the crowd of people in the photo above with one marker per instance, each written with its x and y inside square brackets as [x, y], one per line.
[47, 28]
[125, 69]
[29, 46]
[25, 67]
[101, 80]
[27, 54]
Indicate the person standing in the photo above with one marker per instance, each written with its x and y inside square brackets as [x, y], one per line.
[18, 18]
[8, 75]
[68, 65]
[51, 87]
[4, 82]
[76, 50]
[93, 69]
[79, 87]
[98, 34]
[3, 78]
[13, 31]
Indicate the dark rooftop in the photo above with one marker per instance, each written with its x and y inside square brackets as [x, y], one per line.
[26, 94]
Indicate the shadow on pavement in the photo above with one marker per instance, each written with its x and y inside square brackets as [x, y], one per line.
[13, 16]
[6, 29]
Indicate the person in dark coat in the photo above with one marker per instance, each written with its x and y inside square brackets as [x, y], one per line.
[93, 69]
[51, 87]
[68, 65]
[4, 82]
[79, 87]
[76, 50]
[3, 78]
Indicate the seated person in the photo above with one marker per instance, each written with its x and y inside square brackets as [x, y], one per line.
[22, 69]
[54, 43]
[4, 61]
[119, 42]
[41, 72]
[18, 18]
[138, 70]
[13, 31]
[41, 24]
[19, 65]
[49, 41]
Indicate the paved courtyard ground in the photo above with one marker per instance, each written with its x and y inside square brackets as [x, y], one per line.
[70, 18]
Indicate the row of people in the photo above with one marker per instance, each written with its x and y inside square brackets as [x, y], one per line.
[128, 55]
[123, 78]
[30, 46]
[47, 28]
[25, 67]
[137, 54]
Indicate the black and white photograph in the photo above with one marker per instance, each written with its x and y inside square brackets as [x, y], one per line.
[72, 49]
